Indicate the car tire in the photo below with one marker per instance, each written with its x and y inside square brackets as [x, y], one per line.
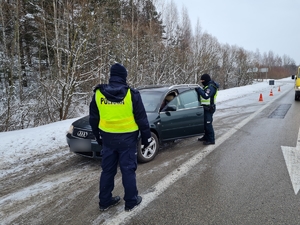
[148, 155]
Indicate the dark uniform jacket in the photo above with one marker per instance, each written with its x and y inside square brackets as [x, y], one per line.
[115, 91]
[209, 91]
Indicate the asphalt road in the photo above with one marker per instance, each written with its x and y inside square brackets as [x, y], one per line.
[243, 179]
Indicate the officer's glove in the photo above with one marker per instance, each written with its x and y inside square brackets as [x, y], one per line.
[149, 143]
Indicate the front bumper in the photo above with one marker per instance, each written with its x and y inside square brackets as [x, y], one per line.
[85, 147]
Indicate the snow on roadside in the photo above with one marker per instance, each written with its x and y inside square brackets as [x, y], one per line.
[23, 144]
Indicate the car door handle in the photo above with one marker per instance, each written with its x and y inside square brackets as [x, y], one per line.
[199, 114]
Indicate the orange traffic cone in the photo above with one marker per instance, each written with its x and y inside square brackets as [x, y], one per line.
[279, 88]
[271, 93]
[260, 98]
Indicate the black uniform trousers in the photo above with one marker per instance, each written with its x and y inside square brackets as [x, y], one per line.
[209, 133]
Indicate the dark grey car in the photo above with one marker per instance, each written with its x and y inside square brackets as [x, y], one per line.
[174, 112]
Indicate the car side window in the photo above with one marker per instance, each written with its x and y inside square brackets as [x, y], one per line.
[188, 99]
[167, 100]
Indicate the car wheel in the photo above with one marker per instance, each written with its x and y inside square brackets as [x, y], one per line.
[146, 155]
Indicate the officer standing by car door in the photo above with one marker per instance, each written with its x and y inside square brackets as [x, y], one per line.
[117, 114]
[207, 97]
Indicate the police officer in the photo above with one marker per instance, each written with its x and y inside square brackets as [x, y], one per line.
[207, 97]
[118, 114]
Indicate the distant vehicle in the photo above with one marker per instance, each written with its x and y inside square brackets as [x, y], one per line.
[297, 84]
[174, 112]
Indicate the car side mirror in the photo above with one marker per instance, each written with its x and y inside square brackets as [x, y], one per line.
[293, 76]
[171, 108]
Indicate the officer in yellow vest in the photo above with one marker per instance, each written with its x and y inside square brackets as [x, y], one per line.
[117, 114]
[207, 97]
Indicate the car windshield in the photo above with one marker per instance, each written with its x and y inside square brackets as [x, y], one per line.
[151, 100]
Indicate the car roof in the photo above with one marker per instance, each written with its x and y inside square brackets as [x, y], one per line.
[167, 87]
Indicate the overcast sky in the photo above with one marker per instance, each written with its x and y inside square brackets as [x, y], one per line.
[251, 24]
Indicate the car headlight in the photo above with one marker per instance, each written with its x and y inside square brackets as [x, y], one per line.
[70, 131]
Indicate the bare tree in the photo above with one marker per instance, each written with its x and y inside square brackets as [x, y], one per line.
[184, 50]
[227, 66]
[243, 64]
[7, 95]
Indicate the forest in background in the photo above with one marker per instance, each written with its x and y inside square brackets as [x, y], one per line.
[53, 52]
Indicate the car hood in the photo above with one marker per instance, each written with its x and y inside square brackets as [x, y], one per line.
[83, 122]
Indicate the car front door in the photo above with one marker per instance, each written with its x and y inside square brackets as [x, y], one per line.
[187, 120]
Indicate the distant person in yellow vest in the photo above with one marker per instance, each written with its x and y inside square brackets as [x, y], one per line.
[117, 114]
[207, 97]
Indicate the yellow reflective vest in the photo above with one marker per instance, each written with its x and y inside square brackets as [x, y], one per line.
[208, 101]
[115, 117]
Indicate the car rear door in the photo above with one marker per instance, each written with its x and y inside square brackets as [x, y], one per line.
[186, 121]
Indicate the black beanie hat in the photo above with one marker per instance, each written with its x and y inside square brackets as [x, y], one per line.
[118, 70]
[205, 77]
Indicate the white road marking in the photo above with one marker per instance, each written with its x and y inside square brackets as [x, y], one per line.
[153, 192]
[292, 160]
